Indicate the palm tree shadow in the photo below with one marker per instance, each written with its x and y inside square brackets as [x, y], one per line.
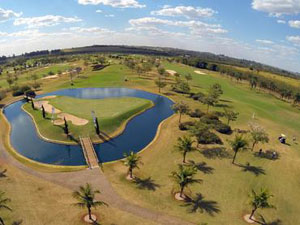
[256, 170]
[202, 166]
[105, 138]
[3, 173]
[146, 184]
[18, 222]
[264, 222]
[203, 206]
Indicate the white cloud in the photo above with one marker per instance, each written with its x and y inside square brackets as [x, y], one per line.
[8, 14]
[185, 11]
[294, 23]
[268, 42]
[45, 21]
[277, 7]
[99, 11]
[110, 15]
[294, 39]
[89, 30]
[196, 27]
[281, 21]
[113, 3]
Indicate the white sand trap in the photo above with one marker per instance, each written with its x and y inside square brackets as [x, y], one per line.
[50, 77]
[171, 72]
[73, 119]
[199, 72]
[47, 106]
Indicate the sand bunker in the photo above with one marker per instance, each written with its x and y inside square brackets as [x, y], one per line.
[60, 121]
[199, 72]
[171, 72]
[50, 77]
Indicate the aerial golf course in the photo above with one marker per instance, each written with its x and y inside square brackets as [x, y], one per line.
[220, 193]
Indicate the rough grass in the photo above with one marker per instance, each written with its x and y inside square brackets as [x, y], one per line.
[112, 113]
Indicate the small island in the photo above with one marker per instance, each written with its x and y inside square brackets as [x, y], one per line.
[112, 114]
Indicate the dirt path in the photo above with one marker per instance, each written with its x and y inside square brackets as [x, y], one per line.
[97, 179]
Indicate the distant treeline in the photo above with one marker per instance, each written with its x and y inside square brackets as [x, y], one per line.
[157, 51]
[255, 80]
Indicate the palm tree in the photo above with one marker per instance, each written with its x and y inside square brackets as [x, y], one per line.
[239, 143]
[185, 177]
[260, 201]
[3, 205]
[132, 161]
[184, 146]
[86, 198]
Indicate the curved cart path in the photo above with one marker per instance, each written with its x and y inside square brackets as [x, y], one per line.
[97, 179]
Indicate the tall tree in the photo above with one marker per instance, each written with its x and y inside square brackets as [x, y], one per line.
[209, 101]
[258, 134]
[260, 200]
[86, 198]
[230, 115]
[4, 205]
[239, 143]
[188, 77]
[160, 84]
[43, 112]
[184, 145]
[66, 128]
[215, 91]
[181, 108]
[132, 161]
[184, 177]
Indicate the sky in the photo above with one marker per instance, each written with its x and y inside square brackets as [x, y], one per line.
[266, 31]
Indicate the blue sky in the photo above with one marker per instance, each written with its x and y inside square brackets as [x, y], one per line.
[267, 31]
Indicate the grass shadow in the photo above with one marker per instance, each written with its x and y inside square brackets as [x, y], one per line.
[146, 184]
[18, 222]
[216, 153]
[264, 222]
[203, 206]
[256, 170]
[202, 166]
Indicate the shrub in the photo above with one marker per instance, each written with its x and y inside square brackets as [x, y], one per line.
[197, 96]
[208, 137]
[181, 87]
[197, 113]
[186, 125]
[18, 91]
[2, 95]
[223, 128]
[210, 119]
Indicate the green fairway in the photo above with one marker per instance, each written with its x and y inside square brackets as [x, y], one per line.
[112, 114]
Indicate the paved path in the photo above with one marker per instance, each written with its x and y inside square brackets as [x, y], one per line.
[98, 180]
[89, 152]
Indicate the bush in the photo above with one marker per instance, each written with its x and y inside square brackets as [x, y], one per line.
[223, 128]
[18, 91]
[186, 125]
[208, 137]
[181, 87]
[197, 96]
[2, 95]
[197, 113]
[210, 119]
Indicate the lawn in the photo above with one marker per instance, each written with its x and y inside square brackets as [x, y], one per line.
[112, 114]
[225, 187]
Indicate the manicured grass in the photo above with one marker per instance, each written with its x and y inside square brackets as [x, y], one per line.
[112, 115]
[226, 185]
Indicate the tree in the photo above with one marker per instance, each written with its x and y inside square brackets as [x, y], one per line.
[43, 112]
[34, 77]
[181, 108]
[188, 77]
[230, 115]
[161, 71]
[258, 134]
[132, 161]
[97, 126]
[66, 128]
[239, 143]
[3, 204]
[184, 177]
[209, 101]
[160, 84]
[32, 105]
[86, 198]
[184, 145]
[260, 201]
[215, 91]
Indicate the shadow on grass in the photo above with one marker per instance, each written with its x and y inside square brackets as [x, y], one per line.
[202, 166]
[264, 222]
[18, 222]
[3, 173]
[267, 155]
[203, 206]
[215, 153]
[146, 184]
[106, 138]
[256, 170]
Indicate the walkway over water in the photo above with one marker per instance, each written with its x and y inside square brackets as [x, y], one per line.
[89, 152]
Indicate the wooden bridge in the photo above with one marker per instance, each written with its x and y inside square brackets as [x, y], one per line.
[89, 152]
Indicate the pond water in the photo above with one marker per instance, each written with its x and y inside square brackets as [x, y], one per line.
[139, 132]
